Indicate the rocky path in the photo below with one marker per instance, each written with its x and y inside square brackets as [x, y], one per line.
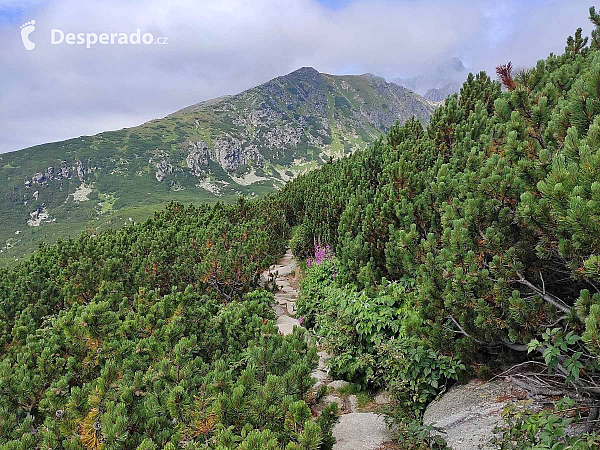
[355, 430]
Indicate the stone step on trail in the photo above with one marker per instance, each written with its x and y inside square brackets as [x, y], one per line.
[280, 311]
[282, 283]
[323, 357]
[360, 431]
[283, 299]
[291, 308]
[286, 324]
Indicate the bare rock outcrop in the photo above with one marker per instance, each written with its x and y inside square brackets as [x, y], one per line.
[197, 158]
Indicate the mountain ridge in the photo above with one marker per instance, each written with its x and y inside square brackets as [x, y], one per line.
[249, 143]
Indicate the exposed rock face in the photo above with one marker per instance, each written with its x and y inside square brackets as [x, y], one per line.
[161, 161]
[162, 170]
[39, 178]
[80, 170]
[468, 413]
[281, 119]
[227, 151]
[65, 170]
[197, 158]
[230, 155]
[40, 215]
[50, 174]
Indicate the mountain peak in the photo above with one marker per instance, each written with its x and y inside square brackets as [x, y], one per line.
[439, 81]
[306, 69]
[303, 72]
[456, 64]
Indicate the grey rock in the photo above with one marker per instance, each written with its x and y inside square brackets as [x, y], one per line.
[323, 357]
[284, 271]
[279, 311]
[161, 161]
[36, 195]
[197, 158]
[353, 403]
[468, 413]
[65, 170]
[282, 283]
[338, 384]
[291, 308]
[289, 290]
[286, 324]
[282, 300]
[330, 399]
[320, 375]
[228, 153]
[360, 431]
[80, 170]
[39, 178]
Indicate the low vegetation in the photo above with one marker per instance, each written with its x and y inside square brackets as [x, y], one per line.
[436, 254]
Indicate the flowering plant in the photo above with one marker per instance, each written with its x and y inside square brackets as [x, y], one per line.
[321, 254]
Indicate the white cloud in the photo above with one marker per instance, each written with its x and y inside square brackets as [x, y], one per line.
[221, 47]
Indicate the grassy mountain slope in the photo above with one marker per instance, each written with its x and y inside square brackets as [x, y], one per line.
[246, 144]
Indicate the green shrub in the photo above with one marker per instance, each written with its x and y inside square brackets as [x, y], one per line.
[414, 436]
[301, 241]
[153, 336]
[524, 429]
[415, 374]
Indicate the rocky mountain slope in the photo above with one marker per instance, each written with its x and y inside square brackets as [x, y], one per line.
[245, 144]
[441, 81]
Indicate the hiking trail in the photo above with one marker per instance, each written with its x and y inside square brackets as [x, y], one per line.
[355, 430]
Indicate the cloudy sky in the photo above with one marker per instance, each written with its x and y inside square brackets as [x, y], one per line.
[55, 92]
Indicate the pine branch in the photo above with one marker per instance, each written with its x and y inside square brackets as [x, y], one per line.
[504, 72]
[462, 331]
[553, 300]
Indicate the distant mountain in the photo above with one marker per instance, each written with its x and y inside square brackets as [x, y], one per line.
[246, 144]
[438, 83]
[440, 94]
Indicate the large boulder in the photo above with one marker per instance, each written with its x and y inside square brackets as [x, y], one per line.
[468, 413]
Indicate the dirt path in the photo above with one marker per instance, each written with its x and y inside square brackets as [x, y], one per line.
[356, 430]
